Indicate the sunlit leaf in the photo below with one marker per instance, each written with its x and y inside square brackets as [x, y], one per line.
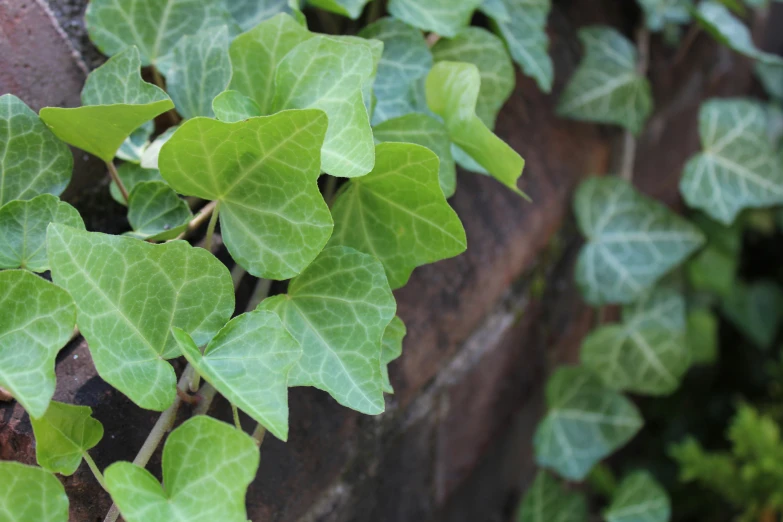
[30, 493]
[639, 498]
[756, 310]
[702, 336]
[207, 467]
[34, 161]
[200, 71]
[606, 87]
[338, 309]
[248, 363]
[149, 160]
[398, 213]
[632, 241]
[156, 212]
[133, 147]
[452, 93]
[350, 8]
[233, 106]
[250, 13]
[23, 230]
[660, 13]
[264, 172]
[548, 501]
[585, 423]
[443, 17]
[391, 349]
[131, 174]
[129, 294]
[116, 102]
[738, 168]
[63, 435]
[37, 320]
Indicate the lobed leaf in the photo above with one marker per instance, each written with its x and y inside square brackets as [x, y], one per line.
[585, 423]
[207, 467]
[632, 241]
[391, 349]
[156, 212]
[660, 13]
[639, 498]
[250, 13]
[34, 161]
[233, 106]
[133, 147]
[63, 435]
[264, 172]
[548, 501]
[350, 8]
[23, 230]
[248, 362]
[37, 321]
[606, 87]
[443, 17]
[129, 294]
[31, 493]
[338, 309]
[398, 213]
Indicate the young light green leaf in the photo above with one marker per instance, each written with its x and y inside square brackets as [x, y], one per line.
[34, 161]
[525, 35]
[487, 52]
[391, 349]
[646, 354]
[398, 213]
[738, 167]
[660, 13]
[256, 54]
[201, 70]
[133, 147]
[37, 320]
[338, 309]
[428, 132]
[233, 106]
[248, 363]
[63, 435]
[250, 13]
[207, 467]
[131, 175]
[154, 26]
[639, 498]
[23, 230]
[632, 241]
[330, 74]
[496, 9]
[548, 501]
[606, 87]
[264, 172]
[156, 212]
[116, 102]
[452, 93]
[129, 294]
[585, 423]
[702, 336]
[756, 310]
[149, 160]
[350, 8]
[31, 493]
[406, 58]
[443, 17]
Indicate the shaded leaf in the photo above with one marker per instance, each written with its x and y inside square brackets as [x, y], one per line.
[391, 349]
[548, 501]
[156, 212]
[133, 146]
[37, 320]
[443, 17]
[250, 13]
[661, 13]
[702, 336]
[233, 106]
[131, 175]
[63, 435]
[771, 77]
[350, 8]
[496, 9]
[338, 309]
[31, 493]
[149, 160]
[639, 498]
[755, 309]
[129, 294]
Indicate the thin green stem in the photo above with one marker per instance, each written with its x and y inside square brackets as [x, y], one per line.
[116, 179]
[235, 412]
[94, 469]
[628, 159]
[211, 226]
[206, 395]
[258, 434]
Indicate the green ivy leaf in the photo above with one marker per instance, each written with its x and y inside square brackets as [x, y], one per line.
[406, 58]
[452, 93]
[423, 130]
[31, 493]
[398, 213]
[443, 17]
[154, 26]
[391, 349]
[639, 498]
[207, 467]
[37, 320]
[248, 363]
[350, 8]
[156, 212]
[548, 501]
[702, 336]
[149, 160]
[771, 77]
[330, 74]
[250, 13]
[755, 309]
[660, 13]
[264, 172]
[233, 106]
[23, 230]
[606, 87]
[256, 54]
[129, 294]
[131, 175]
[496, 9]
[738, 167]
[525, 35]
[585, 423]
[116, 102]
[632, 241]
[63, 435]
[201, 70]
[133, 147]
[341, 289]
[34, 161]
[646, 354]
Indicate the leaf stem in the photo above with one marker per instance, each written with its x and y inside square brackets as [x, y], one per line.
[235, 412]
[211, 226]
[117, 181]
[95, 470]
[206, 395]
[198, 220]
[258, 434]
[5, 395]
[628, 159]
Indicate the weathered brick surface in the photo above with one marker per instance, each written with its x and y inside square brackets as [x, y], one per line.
[454, 444]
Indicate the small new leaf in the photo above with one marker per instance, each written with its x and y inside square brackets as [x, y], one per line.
[31, 493]
[391, 349]
[548, 501]
[639, 498]
[63, 435]
[443, 17]
[233, 106]
[156, 212]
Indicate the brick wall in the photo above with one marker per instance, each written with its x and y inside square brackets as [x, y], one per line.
[483, 329]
